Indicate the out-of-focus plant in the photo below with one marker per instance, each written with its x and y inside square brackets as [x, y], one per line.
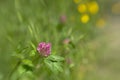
[93, 7]
[85, 18]
[87, 10]
[32, 59]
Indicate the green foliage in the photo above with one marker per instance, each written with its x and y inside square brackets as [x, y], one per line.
[27, 62]
[54, 63]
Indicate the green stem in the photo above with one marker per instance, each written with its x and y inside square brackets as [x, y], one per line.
[13, 70]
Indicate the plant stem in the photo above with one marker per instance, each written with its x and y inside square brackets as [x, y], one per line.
[12, 72]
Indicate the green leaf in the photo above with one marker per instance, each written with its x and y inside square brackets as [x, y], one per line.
[33, 46]
[27, 65]
[21, 69]
[32, 53]
[19, 56]
[54, 63]
[27, 62]
[54, 58]
[49, 64]
[58, 67]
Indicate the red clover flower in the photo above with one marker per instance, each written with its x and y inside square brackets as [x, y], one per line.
[44, 49]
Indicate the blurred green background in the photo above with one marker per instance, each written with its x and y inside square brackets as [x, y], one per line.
[94, 33]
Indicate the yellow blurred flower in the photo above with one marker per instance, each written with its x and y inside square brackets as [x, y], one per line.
[93, 7]
[85, 18]
[76, 1]
[100, 23]
[82, 8]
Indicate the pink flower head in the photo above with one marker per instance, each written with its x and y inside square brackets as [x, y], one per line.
[66, 41]
[62, 19]
[44, 49]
